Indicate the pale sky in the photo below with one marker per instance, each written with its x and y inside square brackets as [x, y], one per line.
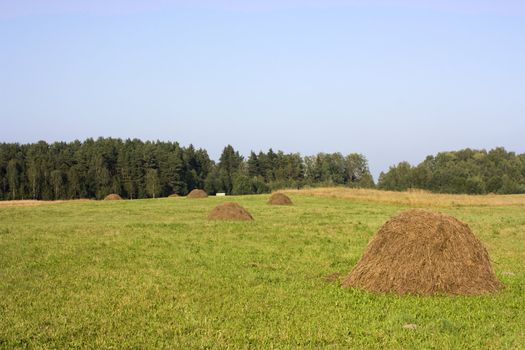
[394, 80]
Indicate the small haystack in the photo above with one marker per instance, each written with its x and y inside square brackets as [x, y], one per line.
[229, 211]
[280, 199]
[174, 195]
[424, 253]
[113, 197]
[196, 193]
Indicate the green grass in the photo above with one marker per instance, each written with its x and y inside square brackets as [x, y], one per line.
[157, 274]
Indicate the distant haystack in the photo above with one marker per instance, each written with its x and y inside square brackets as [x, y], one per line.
[174, 195]
[229, 211]
[280, 199]
[113, 197]
[424, 253]
[196, 193]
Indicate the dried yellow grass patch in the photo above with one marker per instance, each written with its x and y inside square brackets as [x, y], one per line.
[413, 197]
[34, 202]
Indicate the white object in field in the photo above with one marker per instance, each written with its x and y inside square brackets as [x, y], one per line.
[220, 194]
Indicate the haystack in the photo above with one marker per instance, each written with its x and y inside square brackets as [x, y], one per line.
[112, 197]
[280, 199]
[424, 253]
[174, 195]
[196, 193]
[229, 211]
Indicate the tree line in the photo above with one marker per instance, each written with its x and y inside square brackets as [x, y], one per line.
[466, 171]
[137, 169]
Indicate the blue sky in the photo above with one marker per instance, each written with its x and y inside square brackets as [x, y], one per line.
[394, 80]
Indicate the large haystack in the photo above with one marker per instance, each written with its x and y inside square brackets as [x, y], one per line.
[196, 193]
[280, 199]
[229, 211]
[112, 197]
[424, 253]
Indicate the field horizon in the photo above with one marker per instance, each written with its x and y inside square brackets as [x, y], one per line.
[413, 197]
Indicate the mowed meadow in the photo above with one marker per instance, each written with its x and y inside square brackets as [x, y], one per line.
[155, 273]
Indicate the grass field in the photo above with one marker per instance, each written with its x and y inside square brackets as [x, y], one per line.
[157, 274]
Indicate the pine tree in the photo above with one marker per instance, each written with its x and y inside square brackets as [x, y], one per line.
[229, 164]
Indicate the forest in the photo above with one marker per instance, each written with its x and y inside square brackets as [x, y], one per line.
[137, 169]
[466, 171]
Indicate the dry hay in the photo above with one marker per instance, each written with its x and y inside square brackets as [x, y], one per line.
[229, 211]
[196, 193]
[35, 202]
[174, 195]
[280, 199]
[112, 197]
[424, 253]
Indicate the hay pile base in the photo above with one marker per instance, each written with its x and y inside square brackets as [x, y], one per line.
[229, 211]
[196, 193]
[280, 199]
[424, 253]
[112, 197]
